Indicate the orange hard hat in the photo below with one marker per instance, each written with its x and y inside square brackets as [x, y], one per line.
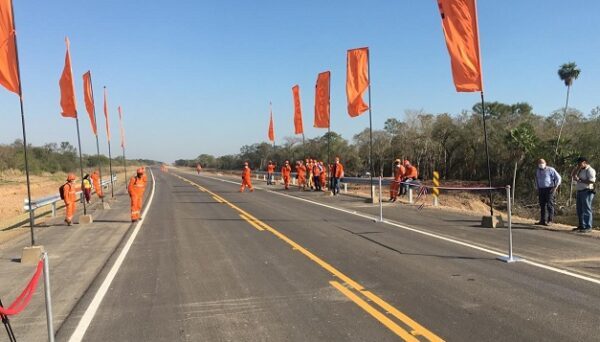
[70, 177]
[140, 170]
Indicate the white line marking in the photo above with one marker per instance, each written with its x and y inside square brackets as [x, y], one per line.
[89, 313]
[433, 235]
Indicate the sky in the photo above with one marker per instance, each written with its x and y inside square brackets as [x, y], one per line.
[197, 77]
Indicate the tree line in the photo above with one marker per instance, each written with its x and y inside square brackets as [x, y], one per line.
[54, 157]
[450, 144]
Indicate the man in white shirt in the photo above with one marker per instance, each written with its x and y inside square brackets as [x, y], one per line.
[585, 176]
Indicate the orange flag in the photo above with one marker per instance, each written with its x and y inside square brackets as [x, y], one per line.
[271, 127]
[88, 97]
[322, 100]
[357, 80]
[106, 116]
[67, 88]
[459, 20]
[298, 127]
[121, 127]
[9, 68]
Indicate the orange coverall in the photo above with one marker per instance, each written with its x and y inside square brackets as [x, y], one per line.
[399, 172]
[97, 186]
[301, 170]
[246, 179]
[286, 172]
[198, 168]
[323, 177]
[136, 188]
[70, 201]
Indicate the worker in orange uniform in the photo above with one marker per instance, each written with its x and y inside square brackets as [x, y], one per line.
[198, 168]
[286, 174]
[97, 184]
[399, 172]
[337, 174]
[68, 192]
[270, 172]
[246, 178]
[317, 175]
[309, 170]
[301, 173]
[410, 175]
[323, 176]
[136, 189]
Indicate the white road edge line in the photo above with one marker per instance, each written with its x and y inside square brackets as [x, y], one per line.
[433, 235]
[89, 313]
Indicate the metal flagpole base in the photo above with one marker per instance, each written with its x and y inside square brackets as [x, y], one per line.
[509, 259]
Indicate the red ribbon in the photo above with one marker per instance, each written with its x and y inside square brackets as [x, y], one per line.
[25, 297]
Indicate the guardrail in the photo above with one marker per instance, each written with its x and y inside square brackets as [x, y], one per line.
[52, 200]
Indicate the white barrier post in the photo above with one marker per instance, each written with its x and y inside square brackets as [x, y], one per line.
[510, 258]
[53, 209]
[345, 188]
[410, 195]
[48, 298]
[380, 203]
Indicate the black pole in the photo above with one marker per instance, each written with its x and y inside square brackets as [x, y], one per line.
[370, 124]
[96, 133]
[31, 218]
[487, 156]
[7, 326]
[81, 166]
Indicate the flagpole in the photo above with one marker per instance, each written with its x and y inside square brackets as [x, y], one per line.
[80, 164]
[124, 162]
[112, 186]
[487, 155]
[97, 141]
[31, 217]
[370, 124]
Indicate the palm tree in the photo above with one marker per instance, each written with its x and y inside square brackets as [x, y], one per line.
[568, 73]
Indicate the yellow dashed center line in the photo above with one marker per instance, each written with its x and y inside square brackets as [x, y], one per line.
[416, 328]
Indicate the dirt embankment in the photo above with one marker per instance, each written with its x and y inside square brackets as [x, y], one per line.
[13, 188]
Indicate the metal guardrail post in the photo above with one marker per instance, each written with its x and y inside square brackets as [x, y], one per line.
[510, 258]
[48, 297]
[410, 195]
[345, 188]
[53, 209]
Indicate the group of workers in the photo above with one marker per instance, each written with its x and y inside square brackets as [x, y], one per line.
[135, 188]
[404, 174]
[311, 174]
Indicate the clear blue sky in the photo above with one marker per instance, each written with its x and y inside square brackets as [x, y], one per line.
[197, 76]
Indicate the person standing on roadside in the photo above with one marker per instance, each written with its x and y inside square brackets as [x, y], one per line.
[585, 176]
[399, 172]
[270, 171]
[97, 183]
[68, 193]
[301, 174]
[87, 188]
[198, 168]
[286, 174]
[547, 180]
[337, 173]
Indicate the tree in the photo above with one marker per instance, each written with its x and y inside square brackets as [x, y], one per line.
[568, 73]
[522, 140]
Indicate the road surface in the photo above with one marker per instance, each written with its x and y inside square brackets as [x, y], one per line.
[212, 264]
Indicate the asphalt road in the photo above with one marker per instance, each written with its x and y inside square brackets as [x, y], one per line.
[213, 264]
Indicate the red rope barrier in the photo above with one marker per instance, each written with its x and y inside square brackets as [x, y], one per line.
[25, 297]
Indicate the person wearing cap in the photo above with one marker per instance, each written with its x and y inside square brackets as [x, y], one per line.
[286, 173]
[316, 171]
[136, 189]
[411, 174]
[399, 172]
[301, 172]
[585, 176]
[270, 171]
[547, 180]
[70, 197]
[246, 178]
[337, 173]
